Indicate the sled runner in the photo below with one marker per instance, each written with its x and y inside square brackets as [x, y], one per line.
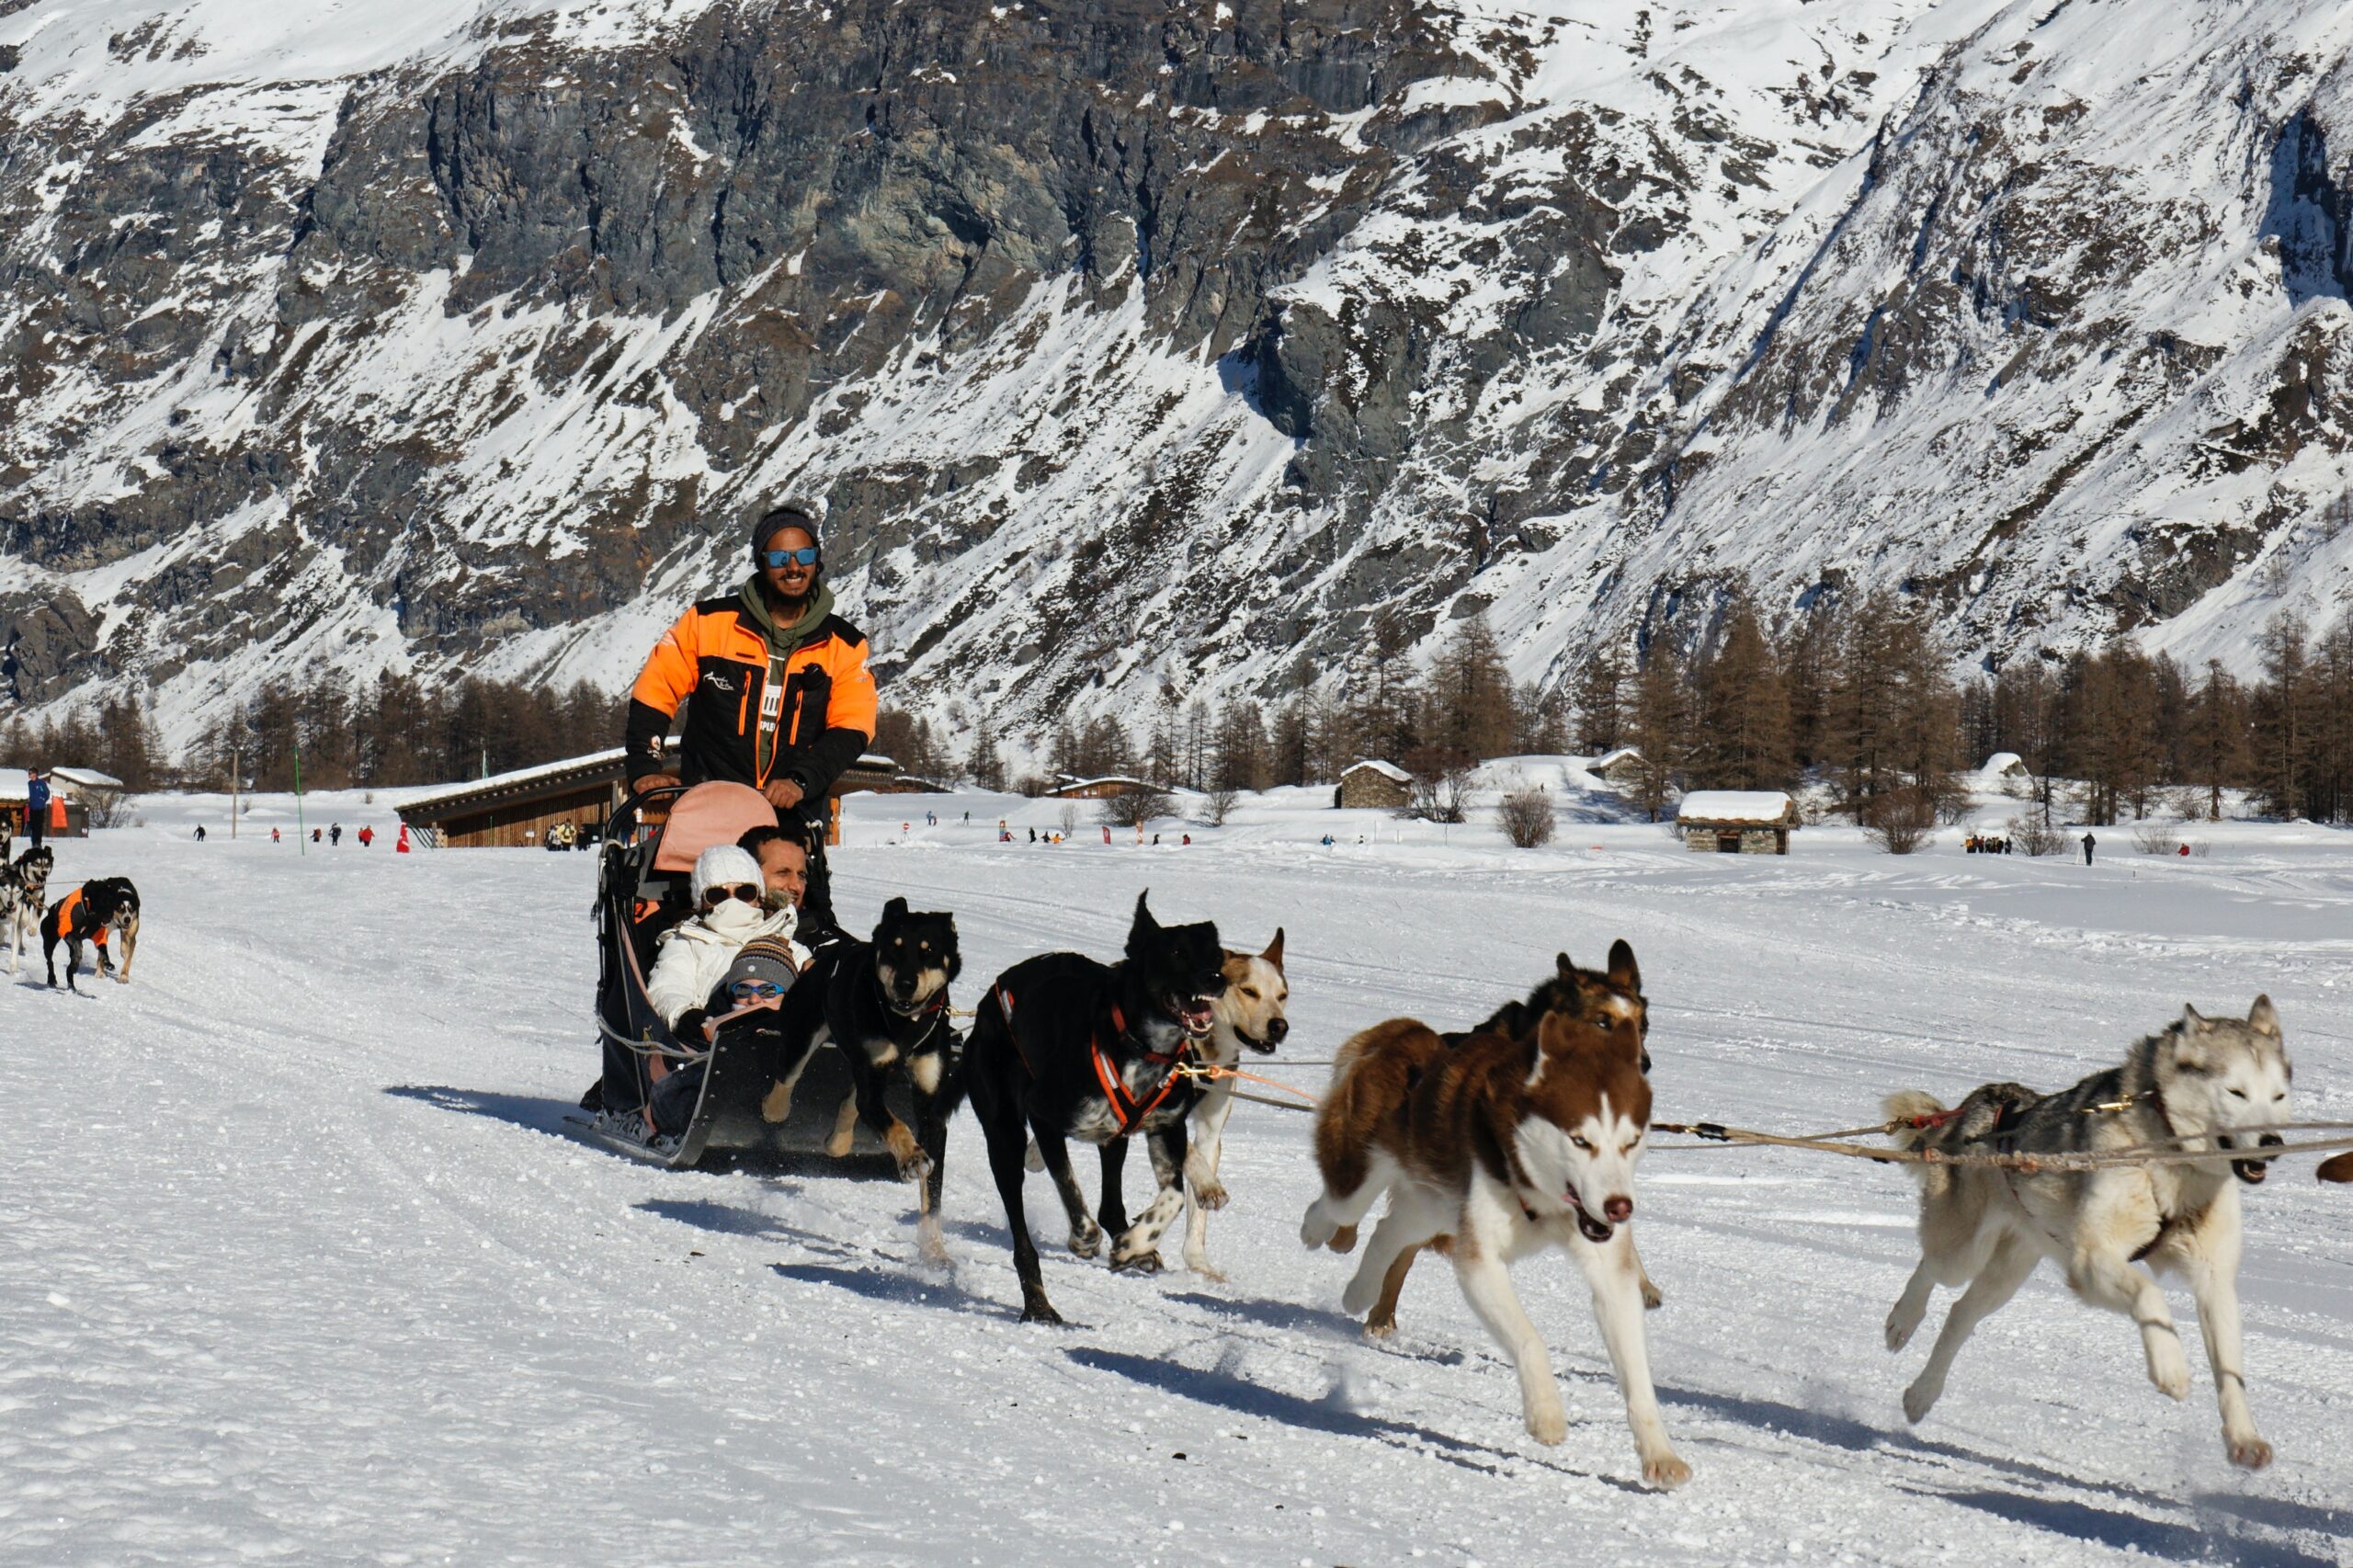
[645, 865]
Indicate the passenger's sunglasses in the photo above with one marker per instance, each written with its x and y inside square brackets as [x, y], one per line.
[762, 989]
[805, 556]
[713, 897]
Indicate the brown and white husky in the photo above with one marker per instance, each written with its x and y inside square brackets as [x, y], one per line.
[1508, 1147]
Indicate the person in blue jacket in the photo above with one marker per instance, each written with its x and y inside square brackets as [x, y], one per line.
[36, 806]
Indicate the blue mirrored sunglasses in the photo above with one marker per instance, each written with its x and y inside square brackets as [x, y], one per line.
[805, 556]
[748, 988]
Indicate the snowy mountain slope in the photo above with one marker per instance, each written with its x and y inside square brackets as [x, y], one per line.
[1140, 348]
[300, 1266]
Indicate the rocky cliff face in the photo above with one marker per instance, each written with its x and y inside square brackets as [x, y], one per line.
[1140, 349]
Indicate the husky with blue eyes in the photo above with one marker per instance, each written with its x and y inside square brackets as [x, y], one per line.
[2218, 1086]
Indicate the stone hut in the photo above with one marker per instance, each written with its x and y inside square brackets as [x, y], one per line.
[1617, 769]
[1737, 822]
[1374, 785]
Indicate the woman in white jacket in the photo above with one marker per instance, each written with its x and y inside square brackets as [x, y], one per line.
[693, 956]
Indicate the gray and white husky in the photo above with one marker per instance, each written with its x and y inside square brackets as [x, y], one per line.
[24, 887]
[2212, 1084]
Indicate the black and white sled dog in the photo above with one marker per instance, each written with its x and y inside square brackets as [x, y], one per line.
[91, 912]
[24, 893]
[1065, 1047]
[884, 1004]
[2210, 1084]
[1250, 1013]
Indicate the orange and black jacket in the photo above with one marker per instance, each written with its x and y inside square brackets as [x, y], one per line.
[768, 702]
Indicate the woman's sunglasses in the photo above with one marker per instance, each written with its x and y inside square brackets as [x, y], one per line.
[805, 556]
[713, 897]
[745, 990]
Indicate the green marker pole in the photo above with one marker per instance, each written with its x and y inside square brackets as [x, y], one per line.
[302, 840]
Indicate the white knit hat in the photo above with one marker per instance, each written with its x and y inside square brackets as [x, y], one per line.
[723, 865]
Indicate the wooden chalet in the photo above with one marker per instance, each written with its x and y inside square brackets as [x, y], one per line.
[1104, 789]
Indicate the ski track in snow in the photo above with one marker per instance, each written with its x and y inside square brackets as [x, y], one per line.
[300, 1266]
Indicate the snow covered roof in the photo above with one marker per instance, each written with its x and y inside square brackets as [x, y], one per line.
[87, 778]
[1768, 806]
[2003, 762]
[500, 783]
[1386, 769]
[1611, 758]
[583, 768]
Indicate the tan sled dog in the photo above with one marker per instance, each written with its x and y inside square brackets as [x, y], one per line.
[1508, 1147]
[1250, 1012]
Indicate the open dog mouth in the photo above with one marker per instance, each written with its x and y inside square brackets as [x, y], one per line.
[1595, 1230]
[1194, 1016]
[1263, 1047]
[2252, 1172]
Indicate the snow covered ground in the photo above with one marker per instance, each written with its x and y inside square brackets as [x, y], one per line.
[300, 1266]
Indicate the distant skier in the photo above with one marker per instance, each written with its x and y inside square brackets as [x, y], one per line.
[316, 836]
[367, 837]
[334, 835]
[273, 836]
[2088, 843]
[200, 833]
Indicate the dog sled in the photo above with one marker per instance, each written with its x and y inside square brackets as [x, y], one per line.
[643, 890]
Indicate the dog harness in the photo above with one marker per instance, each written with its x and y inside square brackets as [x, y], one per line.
[1131, 1110]
[67, 908]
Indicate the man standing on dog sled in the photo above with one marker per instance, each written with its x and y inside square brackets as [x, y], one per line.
[782, 699]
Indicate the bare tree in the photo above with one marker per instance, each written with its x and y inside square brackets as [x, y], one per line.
[1902, 820]
[1137, 807]
[1219, 803]
[2033, 834]
[1068, 821]
[1527, 817]
[107, 808]
[1441, 789]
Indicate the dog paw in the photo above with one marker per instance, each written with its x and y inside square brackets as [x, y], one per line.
[1200, 1265]
[1918, 1399]
[776, 1105]
[1137, 1263]
[1344, 1239]
[1210, 1196]
[1899, 1331]
[1665, 1470]
[1549, 1423]
[1314, 1229]
[1363, 1290]
[840, 1144]
[1087, 1241]
[915, 1169]
[1038, 1310]
[2169, 1370]
[1652, 1296]
[2248, 1453]
[1380, 1328]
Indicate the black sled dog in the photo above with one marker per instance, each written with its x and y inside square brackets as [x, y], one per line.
[1065, 1046]
[884, 1004]
[91, 912]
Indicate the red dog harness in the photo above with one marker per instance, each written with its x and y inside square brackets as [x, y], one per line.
[1125, 1105]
